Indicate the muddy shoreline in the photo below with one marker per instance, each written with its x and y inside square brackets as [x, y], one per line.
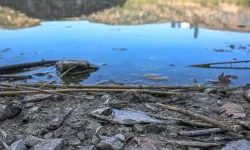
[67, 120]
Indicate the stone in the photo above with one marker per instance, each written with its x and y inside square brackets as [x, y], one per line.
[120, 137]
[50, 144]
[237, 145]
[247, 95]
[48, 135]
[36, 98]
[95, 140]
[13, 109]
[74, 141]
[194, 148]
[154, 128]
[81, 136]
[34, 129]
[210, 90]
[31, 141]
[132, 96]
[29, 105]
[163, 148]
[57, 122]
[18, 145]
[110, 143]
[137, 128]
[90, 147]
[215, 96]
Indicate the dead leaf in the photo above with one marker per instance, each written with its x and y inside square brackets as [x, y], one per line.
[232, 110]
[224, 80]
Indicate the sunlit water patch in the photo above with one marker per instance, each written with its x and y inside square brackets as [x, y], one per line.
[127, 53]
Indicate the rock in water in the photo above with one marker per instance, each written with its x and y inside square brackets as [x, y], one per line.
[78, 65]
[238, 145]
[18, 145]
[110, 143]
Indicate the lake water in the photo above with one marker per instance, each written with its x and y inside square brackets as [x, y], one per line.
[132, 41]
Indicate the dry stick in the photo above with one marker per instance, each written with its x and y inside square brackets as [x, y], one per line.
[192, 123]
[34, 90]
[30, 88]
[198, 116]
[119, 87]
[193, 144]
[200, 132]
[57, 78]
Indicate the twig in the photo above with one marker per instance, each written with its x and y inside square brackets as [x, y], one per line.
[30, 88]
[200, 132]
[35, 90]
[198, 116]
[193, 144]
[119, 87]
[16, 77]
[192, 123]
[44, 85]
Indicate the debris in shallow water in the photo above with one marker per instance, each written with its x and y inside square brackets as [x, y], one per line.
[77, 66]
[242, 47]
[222, 50]
[232, 46]
[232, 110]
[121, 49]
[110, 82]
[5, 50]
[125, 117]
[195, 80]
[155, 77]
